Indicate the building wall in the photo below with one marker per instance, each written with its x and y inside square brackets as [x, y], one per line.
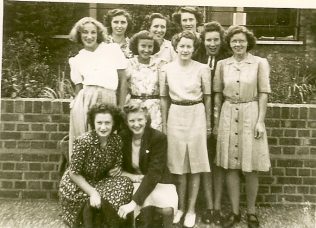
[30, 158]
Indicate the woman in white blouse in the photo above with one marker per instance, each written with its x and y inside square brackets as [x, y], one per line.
[98, 72]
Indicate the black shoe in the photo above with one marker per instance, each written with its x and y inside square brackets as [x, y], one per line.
[252, 221]
[207, 216]
[217, 218]
[231, 220]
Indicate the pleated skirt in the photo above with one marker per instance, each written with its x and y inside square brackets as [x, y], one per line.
[187, 145]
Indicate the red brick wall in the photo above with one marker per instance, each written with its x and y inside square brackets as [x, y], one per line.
[29, 158]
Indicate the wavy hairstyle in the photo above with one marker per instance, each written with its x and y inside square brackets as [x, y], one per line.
[176, 17]
[118, 12]
[105, 108]
[136, 106]
[142, 35]
[75, 33]
[148, 20]
[185, 34]
[235, 29]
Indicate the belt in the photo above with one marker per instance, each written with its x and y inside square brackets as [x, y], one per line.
[186, 103]
[239, 101]
[145, 97]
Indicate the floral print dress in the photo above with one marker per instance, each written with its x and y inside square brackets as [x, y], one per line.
[93, 163]
[144, 86]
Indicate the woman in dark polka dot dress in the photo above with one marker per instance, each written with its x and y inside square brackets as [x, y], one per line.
[92, 184]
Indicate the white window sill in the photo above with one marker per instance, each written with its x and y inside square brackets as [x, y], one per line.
[283, 42]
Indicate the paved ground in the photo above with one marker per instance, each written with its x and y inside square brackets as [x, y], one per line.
[38, 214]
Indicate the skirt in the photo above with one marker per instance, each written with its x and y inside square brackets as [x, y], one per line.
[237, 147]
[187, 145]
[163, 196]
[87, 97]
[115, 190]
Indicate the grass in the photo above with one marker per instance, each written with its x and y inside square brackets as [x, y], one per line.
[38, 213]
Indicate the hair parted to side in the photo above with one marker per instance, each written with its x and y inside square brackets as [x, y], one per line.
[75, 33]
[235, 29]
[148, 20]
[213, 26]
[105, 108]
[176, 17]
[118, 12]
[142, 35]
[185, 34]
[136, 106]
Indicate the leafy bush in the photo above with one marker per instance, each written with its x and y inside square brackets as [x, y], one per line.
[24, 68]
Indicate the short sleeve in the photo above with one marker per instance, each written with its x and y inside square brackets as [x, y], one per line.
[78, 156]
[120, 62]
[75, 75]
[218, 84]
[206, 79]
[263, 76]
[163, 84]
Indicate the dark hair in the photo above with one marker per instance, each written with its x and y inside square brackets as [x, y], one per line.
[186, 34]
[75, 33]
[136, 106]
[142, 35]
[118, 12]
[235, 29]
[176, 17]
[213, 26]
[148, 20]
[105, 108]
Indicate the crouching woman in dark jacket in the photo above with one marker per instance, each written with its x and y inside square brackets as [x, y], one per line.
[145, 162]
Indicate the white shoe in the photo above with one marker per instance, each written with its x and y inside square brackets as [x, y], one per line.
[178, 217]
[189, 219]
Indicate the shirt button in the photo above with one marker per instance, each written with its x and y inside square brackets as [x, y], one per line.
[236, 158]
[236, 121]
[236, 146]
[237, 93]
[237, 81]
[236, 133]
[237, 109]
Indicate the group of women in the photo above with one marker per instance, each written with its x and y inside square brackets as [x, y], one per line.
[189, 106]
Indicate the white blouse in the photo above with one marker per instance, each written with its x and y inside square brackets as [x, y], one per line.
[98, 67]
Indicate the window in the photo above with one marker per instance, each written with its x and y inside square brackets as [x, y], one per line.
[273, 24]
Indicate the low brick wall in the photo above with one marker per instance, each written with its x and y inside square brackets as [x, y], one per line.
[31, 128]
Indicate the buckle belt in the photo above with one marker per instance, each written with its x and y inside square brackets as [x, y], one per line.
[186, 103]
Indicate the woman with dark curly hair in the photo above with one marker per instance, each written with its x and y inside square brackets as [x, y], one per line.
[92, 189]
[188, 18]
[119, 26]
[242, 82]
[211, 50]
[157, 24]
[142, 75]
[98, 72]
[188, 85]
[145, 162]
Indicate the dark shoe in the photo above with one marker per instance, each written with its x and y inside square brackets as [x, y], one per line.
[252, 221]
[217, 218]
[231, 220]
[110, 215]
[207, 216]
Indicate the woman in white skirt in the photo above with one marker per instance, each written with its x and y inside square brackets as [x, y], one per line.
[145, 162]
[97, 71]
[188, 85]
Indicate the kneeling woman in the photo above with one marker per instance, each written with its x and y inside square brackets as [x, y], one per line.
[144, 161]
[89, 185]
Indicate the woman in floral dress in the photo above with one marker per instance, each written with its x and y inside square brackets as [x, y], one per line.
[142, 75]
[119, 26]
[89, 184]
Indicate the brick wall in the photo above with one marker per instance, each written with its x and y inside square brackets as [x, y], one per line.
[31, 129]
[29, 158]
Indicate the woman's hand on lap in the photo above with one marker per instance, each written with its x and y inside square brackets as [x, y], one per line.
[95, 199]
[126, 209]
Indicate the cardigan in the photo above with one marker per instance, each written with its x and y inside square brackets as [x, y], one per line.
[152, 161]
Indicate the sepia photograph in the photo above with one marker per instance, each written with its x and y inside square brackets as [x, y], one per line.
[158, 114]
